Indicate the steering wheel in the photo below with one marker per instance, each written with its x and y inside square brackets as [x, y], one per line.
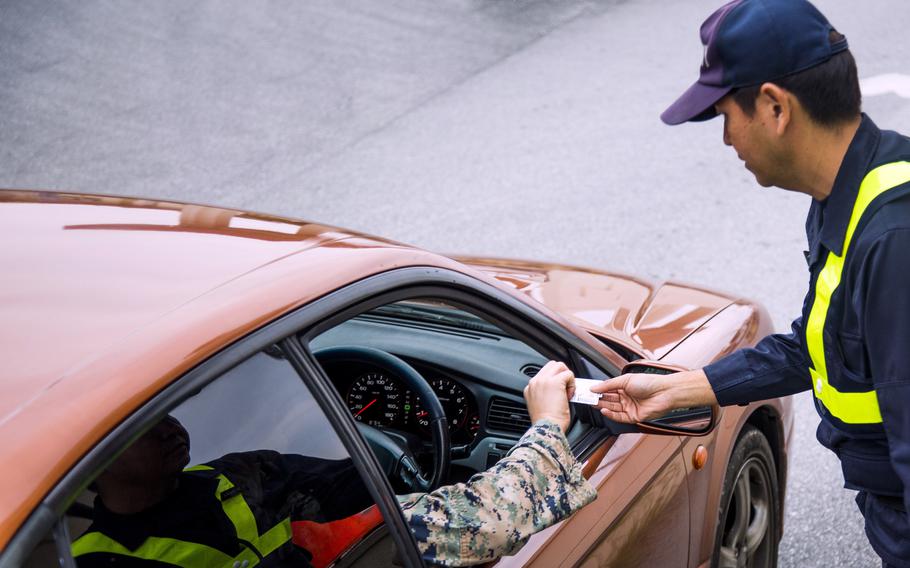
[394, 456]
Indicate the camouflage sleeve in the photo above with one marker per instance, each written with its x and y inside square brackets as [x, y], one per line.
[494, 513]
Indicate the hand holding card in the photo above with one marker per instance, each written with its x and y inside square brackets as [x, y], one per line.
[583, 394]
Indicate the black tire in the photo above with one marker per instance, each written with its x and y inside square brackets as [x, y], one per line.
[747, 537]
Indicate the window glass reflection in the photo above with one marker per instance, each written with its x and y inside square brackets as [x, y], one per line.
[248, 472]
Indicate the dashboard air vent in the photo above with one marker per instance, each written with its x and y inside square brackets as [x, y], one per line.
[509, 416]
[531, 369]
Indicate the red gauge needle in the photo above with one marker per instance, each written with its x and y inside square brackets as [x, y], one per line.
[422, 414]
[369, 404]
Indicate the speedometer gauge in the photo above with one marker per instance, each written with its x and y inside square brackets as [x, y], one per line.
[458, 406]
[376, 399]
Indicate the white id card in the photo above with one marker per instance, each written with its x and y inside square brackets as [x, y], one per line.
[583, 394]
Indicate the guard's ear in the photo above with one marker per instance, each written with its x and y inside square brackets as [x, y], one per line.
[776, 107]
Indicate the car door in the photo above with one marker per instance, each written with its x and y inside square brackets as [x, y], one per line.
[641, 517]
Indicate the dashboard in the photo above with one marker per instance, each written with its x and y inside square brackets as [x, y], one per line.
[477, 374]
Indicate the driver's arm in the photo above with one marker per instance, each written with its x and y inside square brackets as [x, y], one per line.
[494, 513]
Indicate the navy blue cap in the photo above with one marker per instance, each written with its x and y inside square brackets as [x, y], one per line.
[748, 42]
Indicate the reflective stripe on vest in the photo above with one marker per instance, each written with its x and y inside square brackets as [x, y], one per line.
[848, 407]
[192, 554]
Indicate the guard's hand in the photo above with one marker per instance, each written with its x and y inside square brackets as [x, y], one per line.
[633, 398]
[548, 394]
[642, 397]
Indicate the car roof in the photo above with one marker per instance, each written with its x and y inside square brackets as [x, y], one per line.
[86, 271]
[105, 300]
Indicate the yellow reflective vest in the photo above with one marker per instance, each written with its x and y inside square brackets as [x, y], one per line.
[256, 546]
[848, 407]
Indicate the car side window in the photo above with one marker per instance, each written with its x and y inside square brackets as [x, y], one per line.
[476, 368]
[247, 470]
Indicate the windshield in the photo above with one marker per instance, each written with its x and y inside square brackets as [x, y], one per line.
[438, 313]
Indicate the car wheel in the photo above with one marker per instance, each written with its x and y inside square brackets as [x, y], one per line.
[749, 518]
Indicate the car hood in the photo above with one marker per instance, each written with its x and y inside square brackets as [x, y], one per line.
[648, 318]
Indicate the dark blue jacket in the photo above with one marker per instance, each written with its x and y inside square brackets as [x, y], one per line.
[867, 330]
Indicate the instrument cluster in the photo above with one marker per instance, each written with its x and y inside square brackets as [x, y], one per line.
[378, 398]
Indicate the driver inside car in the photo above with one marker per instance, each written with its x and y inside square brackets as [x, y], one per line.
[240, 510]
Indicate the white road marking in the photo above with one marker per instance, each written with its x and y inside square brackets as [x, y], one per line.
[896, 83]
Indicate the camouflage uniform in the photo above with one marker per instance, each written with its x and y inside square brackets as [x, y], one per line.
[536, 485]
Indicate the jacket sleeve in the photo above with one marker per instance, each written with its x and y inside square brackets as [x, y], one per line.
[885, 308]
[308, 488]
[494, 513]
[775, 367]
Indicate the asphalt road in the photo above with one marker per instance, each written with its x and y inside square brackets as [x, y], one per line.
[493, 127]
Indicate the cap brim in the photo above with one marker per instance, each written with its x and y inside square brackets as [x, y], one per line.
[695, 105]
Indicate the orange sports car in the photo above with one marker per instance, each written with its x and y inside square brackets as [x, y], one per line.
[141, 337]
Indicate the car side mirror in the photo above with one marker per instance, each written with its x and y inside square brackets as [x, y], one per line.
[695, 421]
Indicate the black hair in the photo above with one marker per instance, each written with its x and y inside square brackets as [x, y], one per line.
[829, 91]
